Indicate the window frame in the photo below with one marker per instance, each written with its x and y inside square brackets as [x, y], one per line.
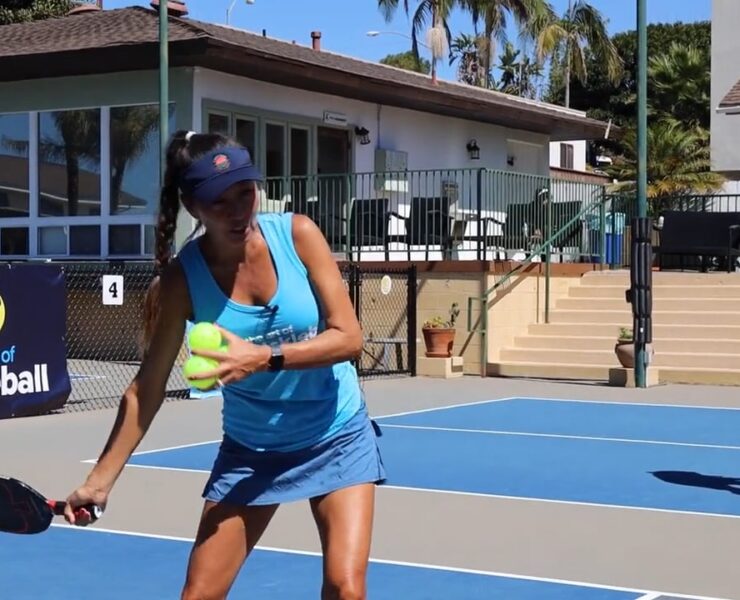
[34, 223]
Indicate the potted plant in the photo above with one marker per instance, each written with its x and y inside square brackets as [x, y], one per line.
[625, 348]
[439, 334]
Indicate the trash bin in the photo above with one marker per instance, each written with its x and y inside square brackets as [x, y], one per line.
[614, 237]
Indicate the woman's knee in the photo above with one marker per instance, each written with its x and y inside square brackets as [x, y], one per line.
[350, 586]
[201, 590]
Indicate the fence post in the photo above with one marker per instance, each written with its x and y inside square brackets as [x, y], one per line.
[548, 253]
[481, 231]
[602, 232]
[411, 319]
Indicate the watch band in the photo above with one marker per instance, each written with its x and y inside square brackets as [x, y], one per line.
[276, 360]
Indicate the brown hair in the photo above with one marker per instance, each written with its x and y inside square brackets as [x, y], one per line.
[181, 153]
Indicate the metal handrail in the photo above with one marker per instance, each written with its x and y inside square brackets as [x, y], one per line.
[546, 245]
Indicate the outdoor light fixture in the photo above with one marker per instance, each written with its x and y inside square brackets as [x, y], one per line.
[363, 134]
[473, 150]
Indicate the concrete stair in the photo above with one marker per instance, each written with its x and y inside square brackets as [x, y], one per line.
[696, 331]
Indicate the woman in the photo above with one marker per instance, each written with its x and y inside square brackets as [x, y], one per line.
[294, 419]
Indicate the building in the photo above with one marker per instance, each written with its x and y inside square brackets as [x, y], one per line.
[79, 120]
[725, 94]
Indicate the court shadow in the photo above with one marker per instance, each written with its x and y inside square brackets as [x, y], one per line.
[693, 479]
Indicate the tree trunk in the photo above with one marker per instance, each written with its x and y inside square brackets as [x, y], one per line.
[73, 182]
[567, 76]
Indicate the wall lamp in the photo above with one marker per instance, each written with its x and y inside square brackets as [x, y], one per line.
[473, 150]
[363, 134]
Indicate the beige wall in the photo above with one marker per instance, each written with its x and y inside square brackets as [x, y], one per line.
[519, 303]
[436, 293]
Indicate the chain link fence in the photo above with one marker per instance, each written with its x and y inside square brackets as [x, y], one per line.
[385, 305]
[103, 341]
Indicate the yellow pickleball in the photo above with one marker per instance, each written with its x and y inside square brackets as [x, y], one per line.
[204, 336]
[2, 312]
[199, 364]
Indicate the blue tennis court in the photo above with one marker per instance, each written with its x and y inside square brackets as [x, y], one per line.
[639, 456]
[614, 455]
[92, 565]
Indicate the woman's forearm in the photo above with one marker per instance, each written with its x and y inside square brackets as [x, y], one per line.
[327, 348]
[135, 414]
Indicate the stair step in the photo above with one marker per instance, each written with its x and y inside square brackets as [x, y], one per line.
[607, 357]
[622, 277]
[660, 331]
[576, 342]
[601, 373]
[691, 303]
[659, 291]
[662, 317]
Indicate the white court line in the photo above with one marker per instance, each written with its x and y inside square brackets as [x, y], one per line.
[646, 594]
[404, 488]
[553, 501]
[180, 447]
[631, 404]
[445, 407]
[560, 436]
[423, 410]
[650, 597]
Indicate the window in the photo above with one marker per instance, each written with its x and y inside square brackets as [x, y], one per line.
[218, 123]
[134, 159]
[566, 156]
[14, 241]
[80, 182]
[14, 169]
[246, 134]
[274, 160]
[69, 163]
[299, 165]
[124, 240]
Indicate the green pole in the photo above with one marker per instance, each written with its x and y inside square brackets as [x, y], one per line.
[163, 88]
[642, 49]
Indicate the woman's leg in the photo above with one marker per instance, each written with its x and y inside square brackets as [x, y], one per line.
[345, 521]
[226, 536]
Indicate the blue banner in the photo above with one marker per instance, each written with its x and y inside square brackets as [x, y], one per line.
[33, 357]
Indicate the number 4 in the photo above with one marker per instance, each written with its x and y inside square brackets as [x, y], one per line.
[113, 289]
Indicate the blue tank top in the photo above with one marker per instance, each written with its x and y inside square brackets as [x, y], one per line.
[290, 409]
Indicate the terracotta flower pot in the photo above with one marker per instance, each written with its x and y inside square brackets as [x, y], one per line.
[625, 352]
[438, 341]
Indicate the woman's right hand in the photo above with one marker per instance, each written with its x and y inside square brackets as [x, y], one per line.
[83, 495]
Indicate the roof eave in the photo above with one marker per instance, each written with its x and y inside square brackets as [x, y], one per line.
[209, 52]
[225, 57]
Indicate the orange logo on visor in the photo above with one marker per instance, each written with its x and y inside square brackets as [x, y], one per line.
[221, 162]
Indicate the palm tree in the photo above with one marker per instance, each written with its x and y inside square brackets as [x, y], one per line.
[680, 85]
[467, 49]
[509, 67]
[677, 164]
[531, 16]
[435, 12]
[582, 26]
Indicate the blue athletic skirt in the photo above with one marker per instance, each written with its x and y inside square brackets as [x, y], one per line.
[245, 477]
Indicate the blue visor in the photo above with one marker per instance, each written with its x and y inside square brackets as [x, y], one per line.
[210, 176]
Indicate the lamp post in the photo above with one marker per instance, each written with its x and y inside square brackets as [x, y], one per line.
[408, 37]
[163, 89]
[231, 7]
[642, 48]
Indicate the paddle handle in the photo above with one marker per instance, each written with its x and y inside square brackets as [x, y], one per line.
[93, 510]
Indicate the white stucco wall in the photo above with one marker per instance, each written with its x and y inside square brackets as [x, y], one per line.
[579, 154]
[725, 128]
[432, 141]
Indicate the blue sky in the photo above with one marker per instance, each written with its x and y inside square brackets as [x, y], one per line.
[344, 23]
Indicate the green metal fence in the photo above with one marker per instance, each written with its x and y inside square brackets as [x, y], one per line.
[620, 209]
[457, 214]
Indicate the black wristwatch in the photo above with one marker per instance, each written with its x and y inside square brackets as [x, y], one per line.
[276, 360]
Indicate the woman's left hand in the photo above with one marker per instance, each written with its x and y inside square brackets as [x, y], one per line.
[241, 359]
